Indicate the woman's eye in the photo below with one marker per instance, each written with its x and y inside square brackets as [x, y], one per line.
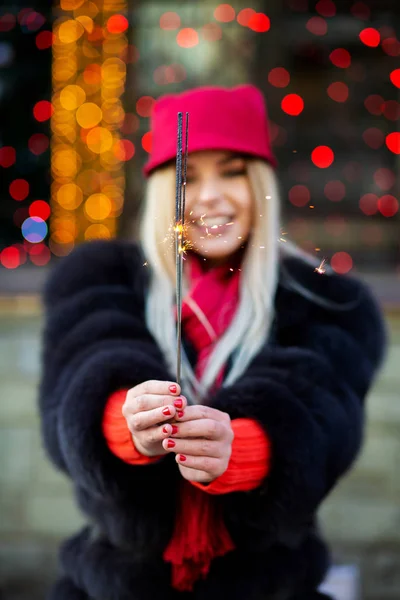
[234, 173]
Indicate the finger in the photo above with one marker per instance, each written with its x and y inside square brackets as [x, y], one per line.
[195, 475]
[199, 428]
[208, 464]
[143, 420]
[153, 435]
[200, 411]
[194, 447]
[134, 404]
[156, 387]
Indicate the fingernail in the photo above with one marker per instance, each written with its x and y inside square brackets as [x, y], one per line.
[165, 429]
[166, 411]
[180, 413]
[178, 403]
[170, 444]
[174, 429]
[182, 458]
[173, 389]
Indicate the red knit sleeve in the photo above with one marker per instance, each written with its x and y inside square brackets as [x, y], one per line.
[117, 434]
[249, 463]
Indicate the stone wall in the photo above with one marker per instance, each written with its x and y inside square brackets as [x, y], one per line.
[361, 518]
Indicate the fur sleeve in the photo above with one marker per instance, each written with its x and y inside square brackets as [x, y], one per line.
[307, 390]
[95, 342]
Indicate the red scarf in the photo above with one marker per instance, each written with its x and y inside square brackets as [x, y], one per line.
[200, 533]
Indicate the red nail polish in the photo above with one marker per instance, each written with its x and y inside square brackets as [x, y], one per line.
[166, 411]
[173, 389]
[165, 430]
[178, 403]
[180, 413]
[174, 429]
[182, 458]
[170, 444]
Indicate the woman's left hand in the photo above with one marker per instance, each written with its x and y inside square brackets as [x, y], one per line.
[202, 441]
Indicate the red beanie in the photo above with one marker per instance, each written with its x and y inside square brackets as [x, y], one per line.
[220, 119]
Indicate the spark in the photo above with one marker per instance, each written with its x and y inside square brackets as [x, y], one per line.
[145, 264]
[282, 239]
[311, 206]
[321, 269]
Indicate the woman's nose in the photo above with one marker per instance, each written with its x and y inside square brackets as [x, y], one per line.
[209, 191]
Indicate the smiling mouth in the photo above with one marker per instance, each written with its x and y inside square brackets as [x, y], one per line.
[213, 223]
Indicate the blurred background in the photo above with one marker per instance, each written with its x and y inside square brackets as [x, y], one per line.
[78, 79]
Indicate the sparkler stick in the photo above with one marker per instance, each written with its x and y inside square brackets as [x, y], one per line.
[180, 195]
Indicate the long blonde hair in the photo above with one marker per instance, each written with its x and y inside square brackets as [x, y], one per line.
[251, 325]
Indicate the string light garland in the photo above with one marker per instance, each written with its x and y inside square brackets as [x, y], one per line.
[87, 147]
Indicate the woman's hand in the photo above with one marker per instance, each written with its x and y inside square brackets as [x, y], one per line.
[148, 408]
[202, 442]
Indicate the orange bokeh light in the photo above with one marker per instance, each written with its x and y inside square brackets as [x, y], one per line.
[224, 13]
[187, 38]
[117, 24]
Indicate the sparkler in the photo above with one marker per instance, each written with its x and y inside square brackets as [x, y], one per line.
[180, 195]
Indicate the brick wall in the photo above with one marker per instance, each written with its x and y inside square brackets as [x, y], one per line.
[361, 518]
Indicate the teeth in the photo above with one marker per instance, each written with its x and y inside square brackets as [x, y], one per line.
[213, 222]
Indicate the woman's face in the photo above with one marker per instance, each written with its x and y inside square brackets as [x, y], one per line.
[219, 206]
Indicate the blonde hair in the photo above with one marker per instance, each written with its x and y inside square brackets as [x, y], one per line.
[252, 322]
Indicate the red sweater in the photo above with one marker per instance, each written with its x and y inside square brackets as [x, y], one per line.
[248, 466]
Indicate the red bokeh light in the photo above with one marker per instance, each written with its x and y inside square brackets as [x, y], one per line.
[370, 37]
[38, 143]
[373, 137]
[388, 205]
[391, 46]
[244, 16]
[361, 11]
[341, 262]
[7, 22]
[20, 215]
[335, 190]
[340, 58]
[130, 124]
[317, 26]
[369, 204]
[374, 104]
[147, 141]
[8, 156]
[322, 156]
[395, 77]
[338, 91]
[224, 13]
[299, 195]
[144, 106]
[187, 38]
[259, 22]
[92, 74]
[19, 189]
[384, 178]
[124, 150]
[43, 110]
[34, 21]
[39, 255]
[292, 104]
[326, 8]
[393, 142]
[170, 21]
[40, 209]
[10, 258]
[117, 24]
[391, 110]
[211, 32]
[279, 77]
[44, 40]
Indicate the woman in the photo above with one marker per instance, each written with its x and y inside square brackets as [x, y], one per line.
[211, 494]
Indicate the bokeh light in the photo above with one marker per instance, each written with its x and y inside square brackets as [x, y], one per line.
[144, 106]
[98, 207]
[340, 58]
[393, 142]
[19, 189]
[292, 104]
[395, 77]
[38, 143]
[317, 26]
[124, 150]
[211, 32]
[369, 204]
[147, 141]
[187, 38]
[244, 16]
[44, 40]
[43, 110]
[370, 37]
[34, 229]
[10, 258]
[361, 11]
[117, 24]
[279, 77]
[7, 156]
[388, 205]
[326, 8]
[299, 195]
[335, 190]
[41, 209]
[384, 178]
[170, 21]
[338, 91]
[322, 157]
[259, 22]
[89, 115]
[341, 262]
[225, 13]
[373, 137]
[374, 104]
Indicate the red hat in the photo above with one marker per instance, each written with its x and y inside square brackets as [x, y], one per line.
[219, 119]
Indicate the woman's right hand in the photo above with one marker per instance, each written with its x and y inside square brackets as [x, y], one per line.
[148, 408]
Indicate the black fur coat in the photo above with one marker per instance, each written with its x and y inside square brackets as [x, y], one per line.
[306, 387]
